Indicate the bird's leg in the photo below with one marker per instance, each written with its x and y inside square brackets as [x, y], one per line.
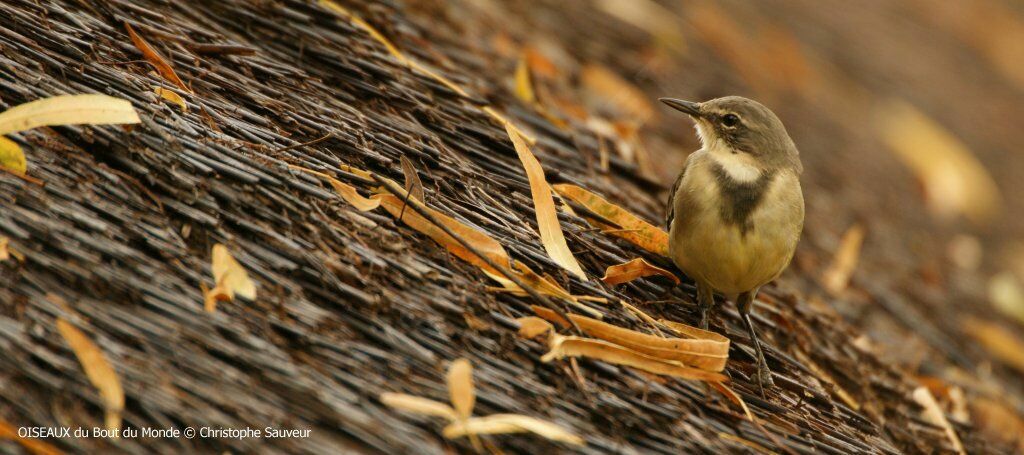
[705, 300]
[744, 303]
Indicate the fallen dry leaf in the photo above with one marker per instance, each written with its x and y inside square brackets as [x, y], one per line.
[546, 286]
[837, 276]
[998, 421]
[933, 414]
[1007, 295]
[4, 253]
[413, 185]
[633, 229]
[533, 326]
[418, 405]
[230, 279]
[98, 370]
[33, 446]
[571, 346]
[154, 58]
[68, 110]
[707, 350]
[544, 205]
[460, 387]
[12, 157]
[510, 423]
[999, 341]
[172, 96]
[955, 181]
[524, 83]
[637, 268]
[603, 83]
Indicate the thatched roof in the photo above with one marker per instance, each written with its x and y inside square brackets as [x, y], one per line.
[353, 304]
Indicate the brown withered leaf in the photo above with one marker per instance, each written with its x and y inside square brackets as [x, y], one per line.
[546, 286]
[460, 387]
[171, 96]
[544, 205]
[706, 350]
[633, 229]
[603, 83]
[413, 185]
[4, 252]
[98, 370]
[836, 277]
[571, 346]
[998, 421]
[33, 446]
[955, 181]
[631, 270]
[933, 414]
[154, 58]
[418, 405]
[999, 341]
[510, 423]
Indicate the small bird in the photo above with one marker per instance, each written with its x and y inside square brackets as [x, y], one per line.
[736, 210]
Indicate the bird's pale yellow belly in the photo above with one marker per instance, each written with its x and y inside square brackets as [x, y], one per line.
[721, 254]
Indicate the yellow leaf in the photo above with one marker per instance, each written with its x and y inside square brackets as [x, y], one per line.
[707, 350]
[33, 446]
[837, 276]
[545, 286]
[172, 96]
[157, 60]
[933, 414]
[11, 156]
[98, 370]
[68, 110]
[510, 423]
[413, 185]
[637, 268]
[633, 229]
[955, 181]
[229, 276]
[4, 253]
[544, 204]
[563, 346]
[418, 405]
[460, 387]
[524, 85]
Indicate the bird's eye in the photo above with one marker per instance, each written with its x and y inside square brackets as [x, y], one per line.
[730, 120]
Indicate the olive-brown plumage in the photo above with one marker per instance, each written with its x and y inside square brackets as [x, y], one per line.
[736, 211]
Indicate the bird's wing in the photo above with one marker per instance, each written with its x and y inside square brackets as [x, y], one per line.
[670, 214]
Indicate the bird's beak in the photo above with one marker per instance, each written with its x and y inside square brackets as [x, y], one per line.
[688, 107]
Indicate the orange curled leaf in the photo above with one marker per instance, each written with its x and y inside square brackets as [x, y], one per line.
[533, 326]
[633, 229]
[171, 96]
[460, 387]
[637, 268]
[570, 346]
[706, 350]
[154, 58]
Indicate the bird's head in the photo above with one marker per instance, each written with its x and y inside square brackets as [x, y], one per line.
[742, 127]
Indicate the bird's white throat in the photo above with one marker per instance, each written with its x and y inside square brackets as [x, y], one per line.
[740, 166]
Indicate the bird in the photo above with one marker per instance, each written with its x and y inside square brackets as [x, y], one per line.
[736, 211]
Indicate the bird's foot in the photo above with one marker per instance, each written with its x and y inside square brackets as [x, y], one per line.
[764, 377]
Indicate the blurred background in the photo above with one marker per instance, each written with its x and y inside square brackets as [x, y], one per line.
[908, 119]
